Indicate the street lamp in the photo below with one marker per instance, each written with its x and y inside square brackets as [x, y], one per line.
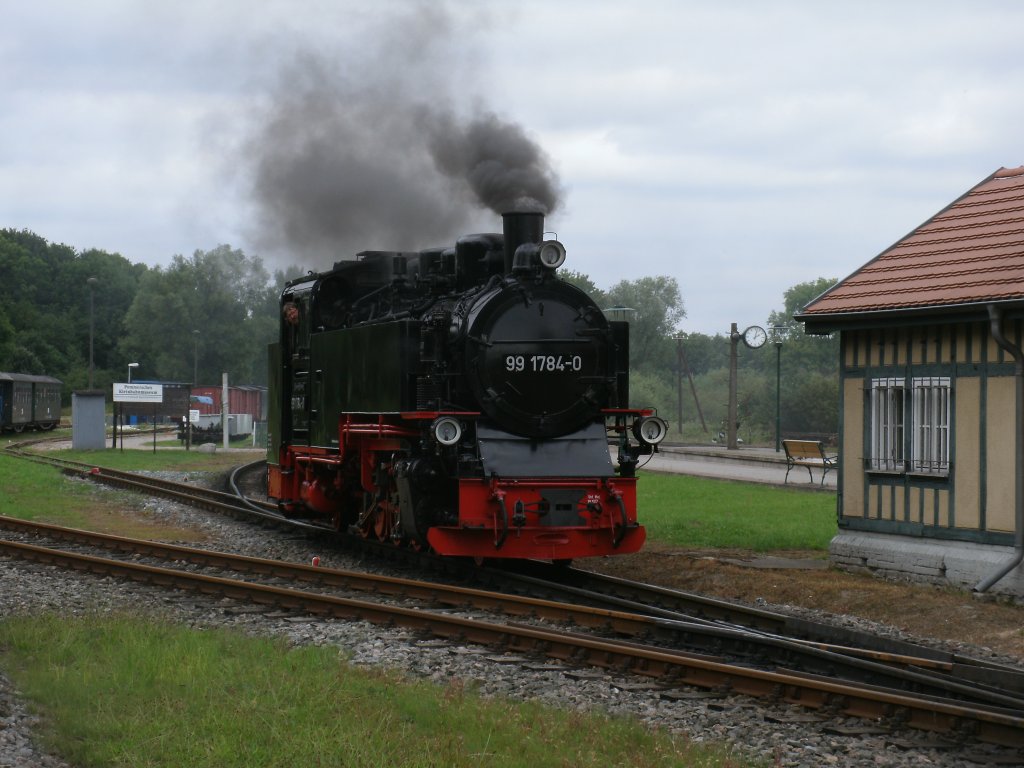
[679, 382]
[130, 366]
[195, 359]
[777, 332]
[619, 312]
[91, 282]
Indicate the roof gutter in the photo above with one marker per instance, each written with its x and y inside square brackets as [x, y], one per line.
[996, 322]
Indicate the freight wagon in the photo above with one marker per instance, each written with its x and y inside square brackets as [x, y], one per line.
[250, 400]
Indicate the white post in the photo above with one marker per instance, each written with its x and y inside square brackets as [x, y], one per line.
[224, 408]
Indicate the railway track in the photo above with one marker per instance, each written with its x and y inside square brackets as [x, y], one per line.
[676, 638]
[999, 722]
[608, 591]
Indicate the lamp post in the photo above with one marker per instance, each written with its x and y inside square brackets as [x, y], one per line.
[91, 282]
[195, 358]
[679, 382]
[731, 414]
[130, 366]
[619, 312]
[777, 331]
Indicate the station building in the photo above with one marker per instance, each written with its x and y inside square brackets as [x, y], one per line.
[931, 460]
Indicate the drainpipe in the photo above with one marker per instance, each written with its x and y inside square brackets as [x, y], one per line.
[996, 322]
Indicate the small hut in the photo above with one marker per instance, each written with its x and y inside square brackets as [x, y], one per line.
[931, 471]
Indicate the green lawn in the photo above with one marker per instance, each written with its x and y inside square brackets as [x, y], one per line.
[140, 693]
[703, 513]
[40, 492]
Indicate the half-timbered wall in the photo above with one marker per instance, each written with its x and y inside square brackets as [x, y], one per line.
[929, 384]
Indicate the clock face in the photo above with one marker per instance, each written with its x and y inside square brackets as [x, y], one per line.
[754, 336]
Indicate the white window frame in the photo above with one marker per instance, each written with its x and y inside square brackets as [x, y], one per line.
[888, 418]
[930, 398]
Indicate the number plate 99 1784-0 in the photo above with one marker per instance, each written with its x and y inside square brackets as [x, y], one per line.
[544, 363]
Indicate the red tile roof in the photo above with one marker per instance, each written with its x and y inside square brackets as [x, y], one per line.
[971, 252]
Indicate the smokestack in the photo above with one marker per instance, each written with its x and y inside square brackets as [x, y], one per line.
[520, 228]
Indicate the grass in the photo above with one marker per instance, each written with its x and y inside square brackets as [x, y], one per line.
[145, 459]
[38, 492]
[121, 691]
[702, 513]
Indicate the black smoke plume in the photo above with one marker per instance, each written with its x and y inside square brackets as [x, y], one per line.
[504, 168]
[374, 151]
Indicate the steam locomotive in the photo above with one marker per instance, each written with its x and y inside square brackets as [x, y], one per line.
[464, 400]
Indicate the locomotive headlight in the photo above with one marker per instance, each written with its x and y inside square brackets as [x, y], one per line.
[446, 430]
[552, 254]
[650, 429]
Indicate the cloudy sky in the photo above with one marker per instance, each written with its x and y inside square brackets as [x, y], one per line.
[740, 147]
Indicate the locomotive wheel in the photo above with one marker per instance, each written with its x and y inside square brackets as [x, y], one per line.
[378, 525]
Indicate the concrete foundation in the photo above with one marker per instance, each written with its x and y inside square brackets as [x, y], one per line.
[947, 563]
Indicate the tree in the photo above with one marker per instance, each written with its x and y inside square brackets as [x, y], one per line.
[653, 307]
[798, 297]
[223, 294]
[6, 339]
[45, 296]
[705, 353]
[585, 284]
[804, 351]
[139, 314]
[657, 310]
[809, 366]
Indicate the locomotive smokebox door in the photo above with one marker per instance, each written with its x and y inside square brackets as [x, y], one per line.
[538, 358]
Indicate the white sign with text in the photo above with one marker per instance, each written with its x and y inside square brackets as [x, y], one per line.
[138, 393]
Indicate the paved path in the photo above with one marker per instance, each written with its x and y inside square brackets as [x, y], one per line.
[756, 465]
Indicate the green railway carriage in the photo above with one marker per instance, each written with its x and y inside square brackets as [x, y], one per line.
[29, 402]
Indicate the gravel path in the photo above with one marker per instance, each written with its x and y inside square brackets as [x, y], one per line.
[754, 730]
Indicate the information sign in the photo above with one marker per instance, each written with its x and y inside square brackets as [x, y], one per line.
[138, 393]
